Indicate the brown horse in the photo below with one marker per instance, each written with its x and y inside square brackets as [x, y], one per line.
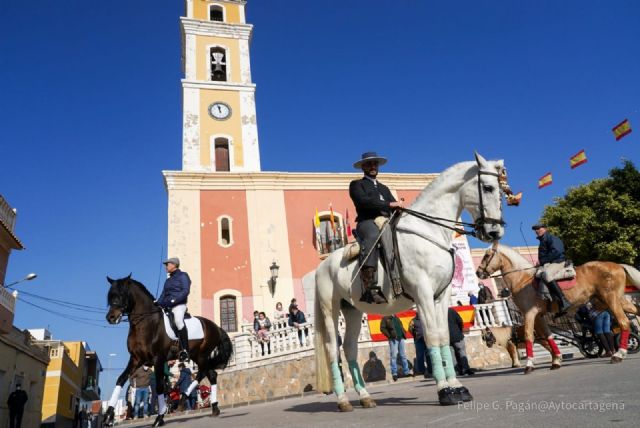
[602, 280]
[148, 343]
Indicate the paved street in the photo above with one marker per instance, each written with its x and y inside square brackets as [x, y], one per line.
[583, 393]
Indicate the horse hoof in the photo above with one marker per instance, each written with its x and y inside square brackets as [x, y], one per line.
[463, 394]
[215, 411]
[368, 403]
[528, 369]
[555, 366]
[159, 422]
[345, 406]
[448, 397]
[616, 359]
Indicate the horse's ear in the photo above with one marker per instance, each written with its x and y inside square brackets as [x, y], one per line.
[482, 162]
[111, 281]
[129, 277]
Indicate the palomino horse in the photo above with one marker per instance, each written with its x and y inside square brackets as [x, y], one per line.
[604, 280]
[424, 242]
[149, 344]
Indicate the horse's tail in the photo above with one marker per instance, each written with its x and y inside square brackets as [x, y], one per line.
[633, 275]
[222, 353]
[323, 371]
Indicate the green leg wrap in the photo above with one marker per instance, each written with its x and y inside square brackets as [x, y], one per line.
[436, 363]
[338, 386]
[358, 382]
[447, 359]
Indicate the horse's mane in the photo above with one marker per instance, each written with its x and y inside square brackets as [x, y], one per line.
[142, 288]
[517, 259]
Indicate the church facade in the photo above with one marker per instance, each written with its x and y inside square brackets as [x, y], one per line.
[229, 222]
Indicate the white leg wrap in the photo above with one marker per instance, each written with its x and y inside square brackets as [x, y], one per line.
[214, 394]
[442, 384]
[192, 386]
[529, 362]
[621, 353]
[454, 383]
[162, 406]
[114, 397]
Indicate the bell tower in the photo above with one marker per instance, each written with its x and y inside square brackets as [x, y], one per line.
[219, 112]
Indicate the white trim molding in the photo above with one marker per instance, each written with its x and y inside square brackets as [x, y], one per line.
[230, 223]
[216, 28]
[216, 306]
[219, 86]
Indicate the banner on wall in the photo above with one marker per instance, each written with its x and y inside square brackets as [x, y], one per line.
[464, 275]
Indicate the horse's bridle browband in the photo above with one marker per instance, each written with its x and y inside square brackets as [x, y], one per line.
[459, 226]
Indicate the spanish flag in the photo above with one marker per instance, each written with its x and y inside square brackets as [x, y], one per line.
[332, 220]
[578, 159]
[622, 129]
[545, 180]
[316, 220]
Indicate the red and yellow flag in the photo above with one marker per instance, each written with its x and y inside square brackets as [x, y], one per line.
[545, 180]
[349, 232]
[622, 129]
[578, 159]
[332, 220]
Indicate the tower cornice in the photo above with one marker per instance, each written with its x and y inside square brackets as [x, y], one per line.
[221, 86]
[215, 28]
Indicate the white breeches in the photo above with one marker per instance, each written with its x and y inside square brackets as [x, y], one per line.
[178, 315]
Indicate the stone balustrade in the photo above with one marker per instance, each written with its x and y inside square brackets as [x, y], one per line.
[494, 314]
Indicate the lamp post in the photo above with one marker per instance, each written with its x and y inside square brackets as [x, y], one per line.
[26, 278]
[274, 268]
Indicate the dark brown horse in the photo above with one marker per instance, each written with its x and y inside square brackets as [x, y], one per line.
[149, 344]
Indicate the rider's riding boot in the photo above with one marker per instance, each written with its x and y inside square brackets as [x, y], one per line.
[605, 344]
[372, 293]
[563, 303]
[184, 344]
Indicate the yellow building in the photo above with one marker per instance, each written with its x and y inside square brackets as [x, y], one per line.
[71, 380]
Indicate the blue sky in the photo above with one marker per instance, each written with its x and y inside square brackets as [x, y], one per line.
[91, 114]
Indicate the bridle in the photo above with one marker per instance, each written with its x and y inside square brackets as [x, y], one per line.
[484, 264]
[125, 310]
[460, 226]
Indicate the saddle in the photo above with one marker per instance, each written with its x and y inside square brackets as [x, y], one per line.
[193, 324]
[388, 248]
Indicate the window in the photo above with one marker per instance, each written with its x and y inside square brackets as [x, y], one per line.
[221, 146]
[218, 57]
[228, 319]
[331, 234]
[216, 13]
[225, 231]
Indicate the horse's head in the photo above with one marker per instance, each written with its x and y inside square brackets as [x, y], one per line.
[490, 262]
[482, 197]
[119, 299]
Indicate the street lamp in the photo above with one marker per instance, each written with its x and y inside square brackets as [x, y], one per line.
[274, 268]
[26, 278]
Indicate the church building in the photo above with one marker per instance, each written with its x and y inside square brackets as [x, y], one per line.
[247, 237]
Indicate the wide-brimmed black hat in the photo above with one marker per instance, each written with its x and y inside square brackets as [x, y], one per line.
[369, 156]
[538, 226]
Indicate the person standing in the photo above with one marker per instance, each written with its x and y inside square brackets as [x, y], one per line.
[372, 199]
[484, 294]
[551, 259]
[415, 328]
[174, 297]
[297, 320]
[392, 328]
[16, 402]
[183, 384]
[141, 381]
[456, 340]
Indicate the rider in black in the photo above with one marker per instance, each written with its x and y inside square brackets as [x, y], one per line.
[372, 199]
[174, 297]
[550, 253]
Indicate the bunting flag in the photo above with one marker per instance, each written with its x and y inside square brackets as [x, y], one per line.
[514, 200]
[349, 233]
[332, 219]
[578, 159]
[316, 224]
[316, 220]
[622, 129]
[545, 180]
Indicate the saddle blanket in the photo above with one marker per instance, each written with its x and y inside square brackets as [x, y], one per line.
[564, 284]
[194, 328]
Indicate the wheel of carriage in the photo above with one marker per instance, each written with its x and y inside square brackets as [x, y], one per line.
[591, 348]
[633, 345]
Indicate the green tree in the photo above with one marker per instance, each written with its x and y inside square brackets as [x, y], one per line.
[600, 220]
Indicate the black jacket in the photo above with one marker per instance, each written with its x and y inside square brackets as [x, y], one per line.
[386, 327]
[16, 401]
[176, 289]
[455, 326]
[366, 197]
[485, 295]
[550, 250]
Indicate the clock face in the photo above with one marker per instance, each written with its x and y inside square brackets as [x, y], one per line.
[219, 111]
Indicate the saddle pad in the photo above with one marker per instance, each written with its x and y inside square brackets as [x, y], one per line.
[194, 328]
[564, 284]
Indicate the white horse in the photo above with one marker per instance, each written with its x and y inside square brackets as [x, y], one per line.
[424, 242]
